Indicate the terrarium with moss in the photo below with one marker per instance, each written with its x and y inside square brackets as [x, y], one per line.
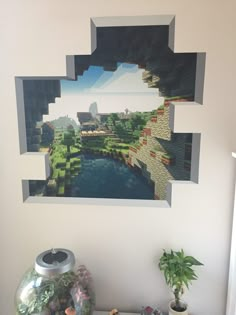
[56, 285]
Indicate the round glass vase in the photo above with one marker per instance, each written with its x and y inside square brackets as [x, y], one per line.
[56, 285]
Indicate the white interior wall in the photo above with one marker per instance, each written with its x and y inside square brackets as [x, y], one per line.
[119, 243]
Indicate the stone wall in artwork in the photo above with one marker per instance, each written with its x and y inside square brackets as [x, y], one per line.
[161, 153]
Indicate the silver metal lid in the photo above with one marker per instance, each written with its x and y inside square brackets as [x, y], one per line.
[54, 261]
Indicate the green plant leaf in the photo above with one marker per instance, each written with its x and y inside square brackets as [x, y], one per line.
[191, 260]
[178, 271]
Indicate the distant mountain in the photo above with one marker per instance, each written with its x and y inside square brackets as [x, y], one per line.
[64, 122]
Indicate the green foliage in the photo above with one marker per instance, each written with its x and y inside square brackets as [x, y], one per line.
[138, 121]
[37, 299]
[62, 173]
[172, 98]
[61, 190]
[122, 132]
[71, 131]
[178, 271]
[55, 173]
[129, 128]
[168, 156]
[60, 163]
[74, 150]
[136, 144]
[113, 118]
[39, 296]
[68, 140]
[92, 143]
[136, 134]
[75, 161]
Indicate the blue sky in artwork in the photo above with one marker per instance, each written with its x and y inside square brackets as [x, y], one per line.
[86, 81]
[112, 91]
[126, 79]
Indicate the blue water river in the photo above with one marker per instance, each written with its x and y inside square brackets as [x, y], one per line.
[103, 177]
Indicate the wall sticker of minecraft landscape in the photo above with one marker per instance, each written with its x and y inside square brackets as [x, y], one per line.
[107, 132]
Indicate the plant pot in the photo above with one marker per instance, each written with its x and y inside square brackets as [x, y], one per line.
[173, 312]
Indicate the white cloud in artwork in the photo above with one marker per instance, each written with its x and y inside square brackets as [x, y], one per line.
[112, 91]
[126, 79]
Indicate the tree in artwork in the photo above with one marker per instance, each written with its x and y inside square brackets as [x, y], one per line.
[68, 140]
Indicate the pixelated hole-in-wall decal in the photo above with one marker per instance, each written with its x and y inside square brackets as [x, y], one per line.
[108, 134]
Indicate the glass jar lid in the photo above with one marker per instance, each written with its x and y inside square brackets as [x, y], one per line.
[54, 261]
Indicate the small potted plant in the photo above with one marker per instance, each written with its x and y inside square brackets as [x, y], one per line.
[178, 272]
